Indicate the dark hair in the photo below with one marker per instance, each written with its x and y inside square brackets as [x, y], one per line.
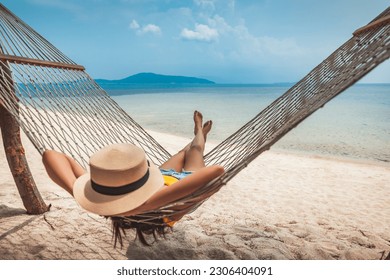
[155, 227]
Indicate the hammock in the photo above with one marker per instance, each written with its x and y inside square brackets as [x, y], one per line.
[59, 106]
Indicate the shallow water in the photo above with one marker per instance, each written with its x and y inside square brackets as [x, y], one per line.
[356, 124]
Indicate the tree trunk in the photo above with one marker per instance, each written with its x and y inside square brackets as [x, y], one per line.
[14, 150]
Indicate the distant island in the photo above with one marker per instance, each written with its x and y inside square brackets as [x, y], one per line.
[152, 78]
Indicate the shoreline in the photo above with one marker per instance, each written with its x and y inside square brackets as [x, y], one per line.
[282, 206]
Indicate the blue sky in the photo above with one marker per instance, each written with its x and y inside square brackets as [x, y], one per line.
[241, 41]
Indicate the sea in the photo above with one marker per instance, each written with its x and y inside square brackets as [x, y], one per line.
[354, 125]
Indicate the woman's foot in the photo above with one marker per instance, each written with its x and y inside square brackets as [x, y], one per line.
[198, 120]
[206, 128]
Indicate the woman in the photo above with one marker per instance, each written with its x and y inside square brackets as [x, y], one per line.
[122, 182]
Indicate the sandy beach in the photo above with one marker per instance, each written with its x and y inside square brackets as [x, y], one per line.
[282, 206]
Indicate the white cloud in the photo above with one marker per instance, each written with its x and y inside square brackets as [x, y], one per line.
[134, 24]
[149, 28]
[244, 45]
[201, 33]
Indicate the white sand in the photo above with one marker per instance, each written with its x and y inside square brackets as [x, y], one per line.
[282, 206]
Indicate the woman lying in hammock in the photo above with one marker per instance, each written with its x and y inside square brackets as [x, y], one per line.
[123, 183]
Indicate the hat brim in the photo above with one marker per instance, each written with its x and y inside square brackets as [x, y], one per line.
[111, 205]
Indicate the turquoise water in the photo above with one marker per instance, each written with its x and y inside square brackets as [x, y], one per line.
[356, 124]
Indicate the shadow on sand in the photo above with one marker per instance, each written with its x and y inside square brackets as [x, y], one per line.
[6, 212]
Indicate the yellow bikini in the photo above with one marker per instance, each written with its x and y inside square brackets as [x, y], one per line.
[169, 180]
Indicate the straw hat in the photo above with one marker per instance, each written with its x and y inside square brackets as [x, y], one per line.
[120, 180]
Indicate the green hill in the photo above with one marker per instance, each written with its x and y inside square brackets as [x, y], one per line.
[151, 78]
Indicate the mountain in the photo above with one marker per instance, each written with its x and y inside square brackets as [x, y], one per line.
[151, 78]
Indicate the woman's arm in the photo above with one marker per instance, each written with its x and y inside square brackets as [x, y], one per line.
[180, 189]
[62, 169]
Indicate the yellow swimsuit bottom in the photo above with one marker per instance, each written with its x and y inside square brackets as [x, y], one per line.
[169, 180]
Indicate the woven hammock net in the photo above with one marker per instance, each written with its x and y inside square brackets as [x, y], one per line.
[59, 106]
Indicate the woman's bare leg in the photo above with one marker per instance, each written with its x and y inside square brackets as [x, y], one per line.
[62, 169]
[206, 129]
[194, 155]
[177, 161]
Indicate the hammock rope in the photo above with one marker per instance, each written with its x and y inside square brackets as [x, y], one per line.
[59, 106]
